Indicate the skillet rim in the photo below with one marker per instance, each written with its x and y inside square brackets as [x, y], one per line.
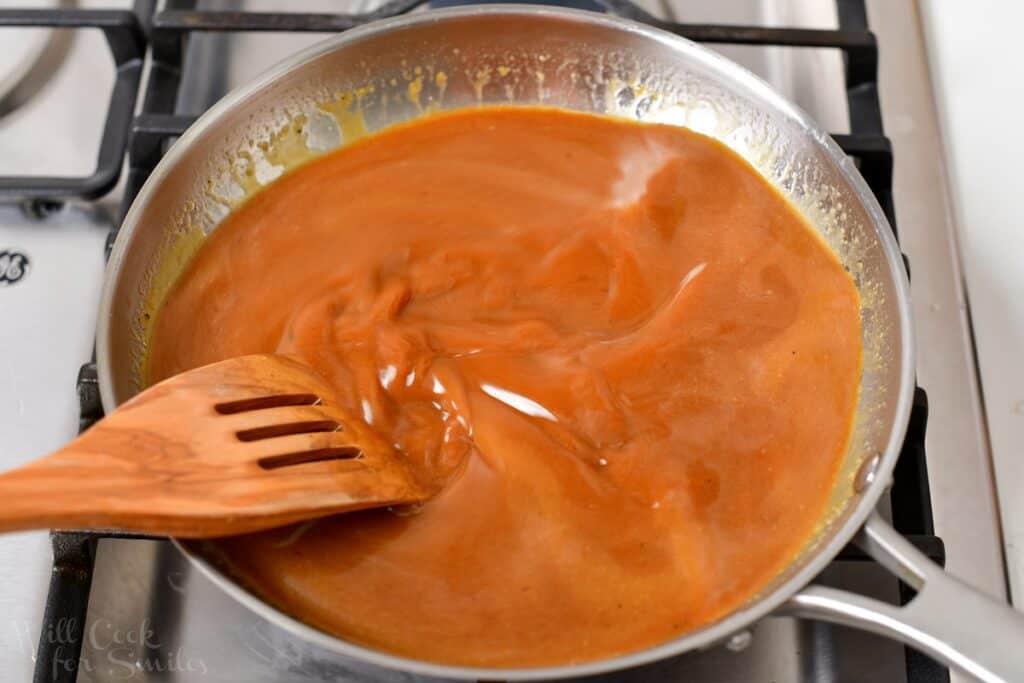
[857, 508]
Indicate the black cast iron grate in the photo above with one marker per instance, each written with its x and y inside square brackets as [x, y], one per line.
[144, 135]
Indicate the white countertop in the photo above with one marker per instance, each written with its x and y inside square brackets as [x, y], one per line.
[974, 51]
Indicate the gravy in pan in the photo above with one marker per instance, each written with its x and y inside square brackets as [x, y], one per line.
[625, 363]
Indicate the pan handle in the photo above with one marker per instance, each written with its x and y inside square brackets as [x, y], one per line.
[947, 619]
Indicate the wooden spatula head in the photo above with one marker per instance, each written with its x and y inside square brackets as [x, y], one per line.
[237, 446]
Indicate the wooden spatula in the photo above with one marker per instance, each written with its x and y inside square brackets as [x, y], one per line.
[241, 445]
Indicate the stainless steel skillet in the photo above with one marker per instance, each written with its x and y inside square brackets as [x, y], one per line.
[398, 69]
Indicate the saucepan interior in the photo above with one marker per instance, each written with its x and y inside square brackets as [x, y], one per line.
[396, 70]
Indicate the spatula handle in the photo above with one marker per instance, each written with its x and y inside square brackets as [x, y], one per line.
[78, 488]
[72, 489]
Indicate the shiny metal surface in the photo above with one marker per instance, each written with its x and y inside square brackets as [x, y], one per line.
[574, 60]
[133, 576]
[947, 619]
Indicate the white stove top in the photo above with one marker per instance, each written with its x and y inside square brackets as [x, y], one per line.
[47, 319]
[980, 95]
[48, 315]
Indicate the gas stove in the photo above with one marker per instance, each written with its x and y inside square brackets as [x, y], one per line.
[86, 114]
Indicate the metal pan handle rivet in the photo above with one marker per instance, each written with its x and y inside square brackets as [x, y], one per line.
[867, 473]
[739, 641]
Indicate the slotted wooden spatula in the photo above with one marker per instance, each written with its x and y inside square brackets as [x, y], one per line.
[241, 445]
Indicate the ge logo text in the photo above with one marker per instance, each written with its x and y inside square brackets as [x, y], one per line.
[13, 267]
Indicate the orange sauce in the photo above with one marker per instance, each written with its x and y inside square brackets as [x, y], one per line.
[625, 363]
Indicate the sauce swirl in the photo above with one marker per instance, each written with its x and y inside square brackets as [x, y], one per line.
[624, 362]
